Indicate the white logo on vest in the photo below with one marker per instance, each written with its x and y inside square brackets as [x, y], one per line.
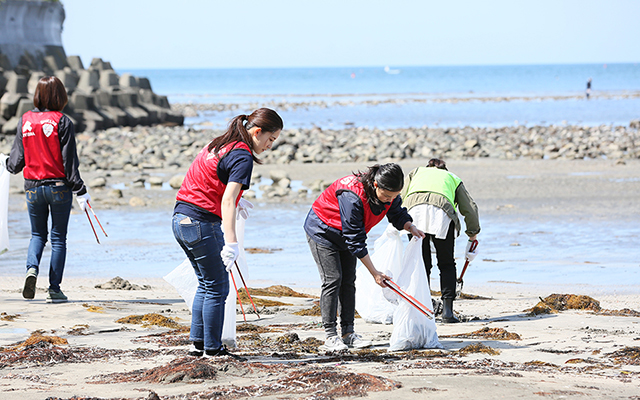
[47, 129]
[26, 130]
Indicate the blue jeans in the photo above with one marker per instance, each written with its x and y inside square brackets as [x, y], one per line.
[41, 201]
[202, 243]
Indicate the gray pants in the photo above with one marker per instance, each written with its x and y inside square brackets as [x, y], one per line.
[338, 274]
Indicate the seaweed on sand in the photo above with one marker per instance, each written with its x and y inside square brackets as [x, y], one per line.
[278, 291]
[626, 355]
[488, 333]
[478, 348]
[559, 302]
[310, 312]
[149, 320]
[259, 302]
[185, 369]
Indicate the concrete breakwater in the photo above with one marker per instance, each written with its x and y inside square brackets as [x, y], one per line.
[99, 98]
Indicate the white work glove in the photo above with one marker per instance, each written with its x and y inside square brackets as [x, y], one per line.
[83, 199]
[472, 250]
[229, 254]
[243, 208]
[3, 160]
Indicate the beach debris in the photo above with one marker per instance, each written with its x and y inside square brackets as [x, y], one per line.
[462, 295]
[478, 348]
[262, 250]
[252, 328]
[626, 355]
[39, 340]
[185, 369]
[537, 363]
[559, 302]
[279, 291]
[488, 333]
[78, 330]
[95, 309]
[150, 320]
[311, 312]
[242, 296]
[118, 283]
[8, 317]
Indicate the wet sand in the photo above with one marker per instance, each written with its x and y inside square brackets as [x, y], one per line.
[570, 354]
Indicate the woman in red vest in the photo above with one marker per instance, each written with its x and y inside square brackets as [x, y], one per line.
[337, 227]
[45, 151]
[207, 205]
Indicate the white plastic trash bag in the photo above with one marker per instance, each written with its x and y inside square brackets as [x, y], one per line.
[184, 279]
[4, 209]
[411, 328]
[387, 257]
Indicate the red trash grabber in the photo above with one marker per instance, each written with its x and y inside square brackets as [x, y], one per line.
[247, 289]
[460, 282]
[410, 299]
[96, 217]
[238, 294]
[91, 223]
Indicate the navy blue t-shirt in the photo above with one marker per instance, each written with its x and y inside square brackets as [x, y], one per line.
[236, 166]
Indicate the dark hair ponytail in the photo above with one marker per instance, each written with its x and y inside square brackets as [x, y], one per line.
[435, 162]
[388, 177]
[238, 129]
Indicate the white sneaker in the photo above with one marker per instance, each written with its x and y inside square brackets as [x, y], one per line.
[355, 340]
[334, 343]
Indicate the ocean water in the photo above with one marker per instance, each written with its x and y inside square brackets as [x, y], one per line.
[596, 257]
[396, 97]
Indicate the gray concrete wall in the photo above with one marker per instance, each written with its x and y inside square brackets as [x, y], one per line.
[31, 30]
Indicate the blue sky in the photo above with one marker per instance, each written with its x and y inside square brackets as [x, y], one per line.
[300, 33]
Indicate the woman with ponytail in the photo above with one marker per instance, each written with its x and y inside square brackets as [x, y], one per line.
[207, 205]
[337, 227]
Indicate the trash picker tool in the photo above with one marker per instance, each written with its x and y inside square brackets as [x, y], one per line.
[96, 217]
[460, 282]
[91, 223]
[410, 299]
[238, 294]
[247, 289]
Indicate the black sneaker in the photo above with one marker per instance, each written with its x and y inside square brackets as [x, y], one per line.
[29, 290]
[196, 349]
[222, 352]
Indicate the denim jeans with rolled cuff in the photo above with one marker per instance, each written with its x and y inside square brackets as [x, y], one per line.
[54, 199]
[202, 242]
[338, 275]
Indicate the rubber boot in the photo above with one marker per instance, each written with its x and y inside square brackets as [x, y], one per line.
[448, 317]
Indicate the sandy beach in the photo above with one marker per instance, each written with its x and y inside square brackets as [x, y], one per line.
[89, 348]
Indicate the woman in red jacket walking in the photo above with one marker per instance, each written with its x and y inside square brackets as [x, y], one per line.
[45, 151]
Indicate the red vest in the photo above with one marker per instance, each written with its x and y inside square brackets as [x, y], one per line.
[201, 186]
[327, 209]
[42, 154]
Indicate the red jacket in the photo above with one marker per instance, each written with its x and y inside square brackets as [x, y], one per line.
[201, 185]
[327, 209]
[42, 154]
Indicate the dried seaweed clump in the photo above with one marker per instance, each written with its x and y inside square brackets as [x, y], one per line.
[7, 317]
[251, 328]
[258, 301]
[478, 348]
[289, 338]
[38, 340]
[186, 369]
[95, 309]
[149, 320]
[329, 383]
[625, 312]
[310, 312]
[626, 355]
[280, 291]
[489, 333]
[560, 302]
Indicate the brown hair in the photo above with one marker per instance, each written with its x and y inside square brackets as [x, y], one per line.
[50, 94]
[238, 129]
[434, 162]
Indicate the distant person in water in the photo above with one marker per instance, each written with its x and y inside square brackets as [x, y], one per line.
[588, 92]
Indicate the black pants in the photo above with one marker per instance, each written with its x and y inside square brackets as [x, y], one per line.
[338, 295]
[446, 263]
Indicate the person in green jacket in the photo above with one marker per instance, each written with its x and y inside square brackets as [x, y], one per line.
[433, 196]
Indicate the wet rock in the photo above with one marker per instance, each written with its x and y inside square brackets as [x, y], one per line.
[136, 201]
[176, 181]
[98, 182]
